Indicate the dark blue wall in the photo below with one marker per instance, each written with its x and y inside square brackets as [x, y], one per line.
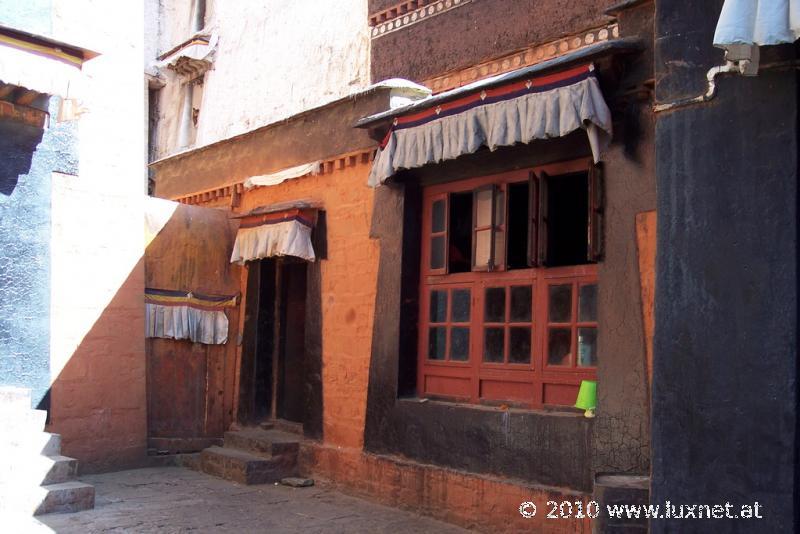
[28, 157]
[724, 406]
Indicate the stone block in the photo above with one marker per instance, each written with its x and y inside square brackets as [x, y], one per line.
[66, 497]
[63, 469]
[297, 482]
[621, 490]
[246, 468]
[263, 442]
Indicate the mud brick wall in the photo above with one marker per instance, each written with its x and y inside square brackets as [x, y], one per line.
[348, 278]
[475, 31]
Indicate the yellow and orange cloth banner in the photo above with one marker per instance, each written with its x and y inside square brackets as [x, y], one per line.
[185, 315]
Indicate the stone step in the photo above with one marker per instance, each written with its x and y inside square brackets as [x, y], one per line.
[13, 397]
[245, 467]
[263, 442]
[35, 470]
[24, 422]
[63, 469]
[33, 443]
[52, 444]
[66, 497]
[288, 426]
[621, 490]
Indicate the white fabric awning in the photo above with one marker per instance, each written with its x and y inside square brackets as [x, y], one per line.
[174, 314]
[758, 22]
[40, 73]
[184, 322]
[288, 237]
[276, 178]
[540, 108]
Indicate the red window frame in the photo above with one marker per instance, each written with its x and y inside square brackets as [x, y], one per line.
[531, 384]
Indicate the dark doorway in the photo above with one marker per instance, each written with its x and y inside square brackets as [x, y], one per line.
[272, 378]
[568, 219]
[291, 359]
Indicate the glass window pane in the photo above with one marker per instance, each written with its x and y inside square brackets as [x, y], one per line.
[460, 303]
[587, 303]
[483, 207]
[437, 252]
[521, 303]
[459, 344]
[436, 342]
[519, 350]
[587, 347]
[559, 343]
[493, 344]
[494, 305]
[438, 218]
[482, 248]
[560, 309]
[438, 306]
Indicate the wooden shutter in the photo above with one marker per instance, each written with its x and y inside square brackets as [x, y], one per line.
[541, 238]
[533, 220]
[438, 241]
[595, 230]
[483, 229]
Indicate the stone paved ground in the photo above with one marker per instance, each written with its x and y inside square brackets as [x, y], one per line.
[174, 499]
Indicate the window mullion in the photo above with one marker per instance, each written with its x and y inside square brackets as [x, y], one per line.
[541, 238]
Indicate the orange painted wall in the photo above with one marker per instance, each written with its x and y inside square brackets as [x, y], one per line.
[349, 278]
[349, 283]
[98, 398]
[646, 245]
[487, 504]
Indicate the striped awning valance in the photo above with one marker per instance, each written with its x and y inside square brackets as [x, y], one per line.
[283, 233]
[541, 107]
[184, 315]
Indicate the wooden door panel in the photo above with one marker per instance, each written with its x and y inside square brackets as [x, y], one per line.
[189, 385]
[176, 379]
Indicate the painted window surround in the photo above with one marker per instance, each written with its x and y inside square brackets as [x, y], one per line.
[460, 336]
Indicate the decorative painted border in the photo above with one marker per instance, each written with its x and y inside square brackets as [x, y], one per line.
[43, 47]
[521, 58]
[235, 191]
[168, 297]
[409, 13]
[503, 93]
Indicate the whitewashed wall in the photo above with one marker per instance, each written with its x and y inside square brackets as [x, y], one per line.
[274, 59]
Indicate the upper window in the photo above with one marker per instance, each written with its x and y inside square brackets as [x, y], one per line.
[190, 112]
[198, 16]
[508, 290]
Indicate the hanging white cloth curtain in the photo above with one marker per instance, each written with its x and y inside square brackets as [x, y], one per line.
[539, 108]
[272, 235]
[759, 22]
[39, 69]
[184, 315]
[276, 178]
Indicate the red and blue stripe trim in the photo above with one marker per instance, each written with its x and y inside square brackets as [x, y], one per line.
[493, 95]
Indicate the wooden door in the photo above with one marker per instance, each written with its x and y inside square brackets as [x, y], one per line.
[190, 386]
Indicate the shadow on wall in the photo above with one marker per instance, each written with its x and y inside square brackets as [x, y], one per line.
[18, 144]
[115, 383]
[98, 399]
